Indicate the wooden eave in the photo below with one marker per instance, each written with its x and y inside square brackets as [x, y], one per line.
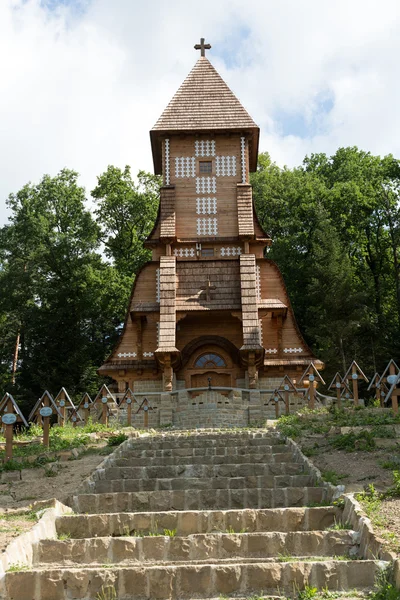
[127, 365]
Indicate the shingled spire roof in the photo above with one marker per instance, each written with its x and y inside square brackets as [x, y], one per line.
[204, 103]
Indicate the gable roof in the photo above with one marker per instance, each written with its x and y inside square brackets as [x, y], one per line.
[204, 103]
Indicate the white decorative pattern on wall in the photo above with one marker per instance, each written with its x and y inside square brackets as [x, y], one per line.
[158, 285]
[185, 166]
[158, 333]
[206, 185]
[184, 252]
[261, 331]
[167, 172]
[292, 350]
[258, 282]
[225, 166]
[204, 148]
[146, 354]
[207, 226]
[127, 355]
[206, 206]
[231, 251]
[243, 157]
[271, 351]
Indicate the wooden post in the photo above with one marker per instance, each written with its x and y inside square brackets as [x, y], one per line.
[338, 392]
[104, 416]
[8, 419]
[354, 377]
[395, 403]
[287, 406]
[311, 402]
[146, 417]
[46, 431]
[129, 411]
[277, 409]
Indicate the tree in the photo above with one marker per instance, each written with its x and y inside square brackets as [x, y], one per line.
[126, 212]
[63, 301]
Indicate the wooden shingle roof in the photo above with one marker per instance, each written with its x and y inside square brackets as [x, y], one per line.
[204, 103]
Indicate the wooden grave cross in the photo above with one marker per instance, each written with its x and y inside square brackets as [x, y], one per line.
[202, 47]
[336, 384]
[42, 412]
[389, 377]
[74, 417]
[85, 405]
[10, 415]
[128, 399]
[354, 372]
[276, 396]
[287, 386]
[312, 375]
[64, 403]
[104, 398]
[145, 407]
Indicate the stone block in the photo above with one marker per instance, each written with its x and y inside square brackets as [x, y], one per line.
[10, 476]
[195, 581]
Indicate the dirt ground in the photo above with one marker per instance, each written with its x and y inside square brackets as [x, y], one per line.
[356, 471]
[17, 498]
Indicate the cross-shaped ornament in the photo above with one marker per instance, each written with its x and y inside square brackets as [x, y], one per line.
[208, 287]
[202, 47]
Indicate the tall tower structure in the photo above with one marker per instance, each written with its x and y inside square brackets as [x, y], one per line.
[208, 308]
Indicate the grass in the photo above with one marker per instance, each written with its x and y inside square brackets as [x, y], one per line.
[64, 536]
[333, 477]
[289, 558]
[34, 454]
[27, 515]
[339, 526]
[385, 589]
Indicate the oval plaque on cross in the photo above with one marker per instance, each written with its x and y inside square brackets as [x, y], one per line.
[104, 400]
[46, 411]
[129, 400]
[62, 403]
[9, 419]
[354, 376]
[391, 379]
[86, 405]
[311, 378]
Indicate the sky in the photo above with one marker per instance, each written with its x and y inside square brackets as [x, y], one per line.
[83, 81]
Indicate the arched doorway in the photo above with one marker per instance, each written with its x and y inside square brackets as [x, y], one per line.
[211, 366]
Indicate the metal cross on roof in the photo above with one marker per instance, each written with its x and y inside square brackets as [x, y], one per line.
[207, 288]
[202, 47]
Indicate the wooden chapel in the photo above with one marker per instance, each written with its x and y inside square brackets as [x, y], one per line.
[208, 309]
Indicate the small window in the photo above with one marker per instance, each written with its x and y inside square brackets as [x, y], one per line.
[205, 166]
[209, 361]
[207, 251]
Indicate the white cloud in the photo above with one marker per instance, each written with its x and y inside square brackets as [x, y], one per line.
[82, 90]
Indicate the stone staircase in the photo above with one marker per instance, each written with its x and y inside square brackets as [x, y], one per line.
[197, 515]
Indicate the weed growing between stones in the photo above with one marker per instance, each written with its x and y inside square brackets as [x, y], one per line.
[63, 536]
[14, 567]
[338, 526]
[385, 589]
[333, 477]
[107, 593]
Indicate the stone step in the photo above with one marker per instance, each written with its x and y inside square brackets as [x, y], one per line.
[197, 499]
[189, 522]
[226, 470]
[197, 547]
[188, 581]
[205, 483]
[204, 442]
[278, 457]
[265, 449]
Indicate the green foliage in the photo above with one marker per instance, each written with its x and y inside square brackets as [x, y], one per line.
[126, 213]
[351, 442]
[117, 439]
[339, 526]
[308, 593]
[385, 589]
[335, 222]
[15, 567]
[333, 477]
